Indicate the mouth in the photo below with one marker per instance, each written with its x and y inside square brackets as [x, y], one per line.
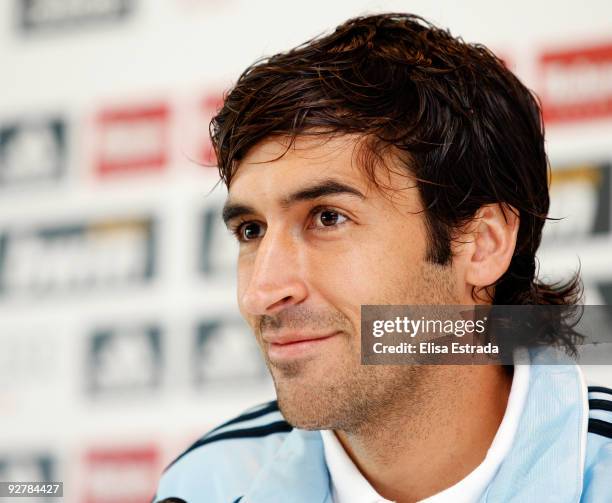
[297, 346]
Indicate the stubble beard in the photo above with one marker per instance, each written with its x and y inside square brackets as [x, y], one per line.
[334, 391]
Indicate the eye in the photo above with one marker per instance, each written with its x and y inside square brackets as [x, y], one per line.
[248, 231]
[326, 217]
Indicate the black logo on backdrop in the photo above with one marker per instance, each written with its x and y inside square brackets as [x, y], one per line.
[124, 359]
[605, 291]
[39, 15]
[24, 467]
[218, 249]
[581, 197]
[226, 350]
[32, 151]
[84, 256]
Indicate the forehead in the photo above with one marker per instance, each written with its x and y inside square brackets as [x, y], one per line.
[276, 175]
[277, 165]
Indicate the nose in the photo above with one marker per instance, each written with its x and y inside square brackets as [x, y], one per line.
[273, 279]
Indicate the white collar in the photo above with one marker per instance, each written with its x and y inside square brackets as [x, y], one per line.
[350, 486]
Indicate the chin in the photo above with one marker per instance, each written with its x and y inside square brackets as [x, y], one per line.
[306, 405]
[299, 418]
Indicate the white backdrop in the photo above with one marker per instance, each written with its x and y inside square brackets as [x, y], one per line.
[120, 342]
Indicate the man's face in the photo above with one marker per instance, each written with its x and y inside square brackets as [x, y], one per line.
[318, 240]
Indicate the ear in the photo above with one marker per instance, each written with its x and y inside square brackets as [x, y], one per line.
[487, 246]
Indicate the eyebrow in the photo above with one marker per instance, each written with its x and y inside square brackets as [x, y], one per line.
[322, 188]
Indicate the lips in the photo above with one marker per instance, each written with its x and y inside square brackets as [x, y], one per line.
[283, 339]
[294, 346]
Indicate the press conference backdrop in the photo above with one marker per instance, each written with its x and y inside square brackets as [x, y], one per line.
[120, 340]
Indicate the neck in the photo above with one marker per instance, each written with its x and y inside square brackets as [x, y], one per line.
[409, 453]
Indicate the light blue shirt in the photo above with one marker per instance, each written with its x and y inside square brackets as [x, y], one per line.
[561, 452]
[350, 486]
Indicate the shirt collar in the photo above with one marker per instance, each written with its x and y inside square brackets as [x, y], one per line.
[296, 473]
[547, 457]
[471, 488]
[350, 486]
[545, 461]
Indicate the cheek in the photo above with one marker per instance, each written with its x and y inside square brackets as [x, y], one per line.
[377, 269]
[348, 278]
[243, 276]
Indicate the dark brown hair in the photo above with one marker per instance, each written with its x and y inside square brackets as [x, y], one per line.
[454, 116]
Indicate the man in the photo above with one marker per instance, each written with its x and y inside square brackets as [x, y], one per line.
[390, 163]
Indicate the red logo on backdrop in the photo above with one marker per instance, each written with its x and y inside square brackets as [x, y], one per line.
[128, 475]
[133, 139]
[577, 84]
[210, 106]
